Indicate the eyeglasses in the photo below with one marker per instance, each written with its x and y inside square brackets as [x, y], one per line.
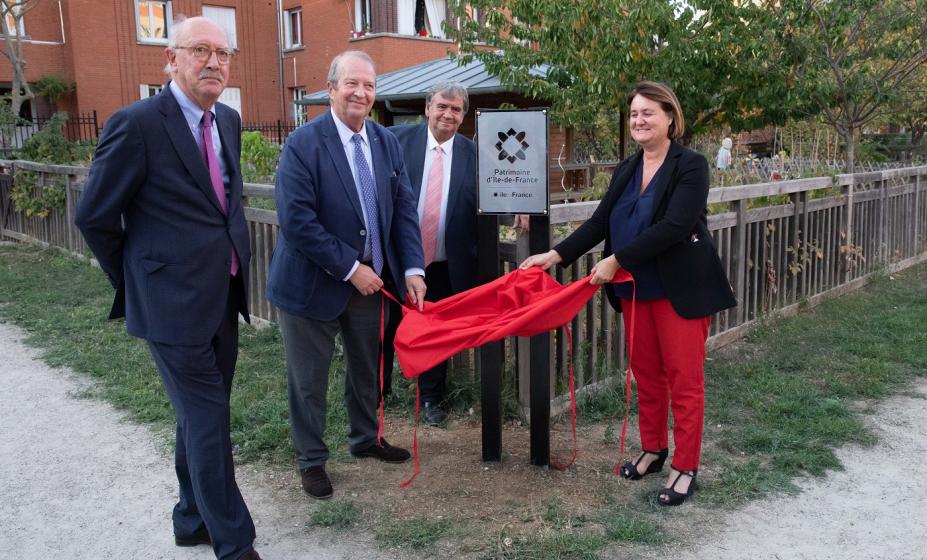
[202, 52]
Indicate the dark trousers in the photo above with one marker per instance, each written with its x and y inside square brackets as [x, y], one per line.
[309, 346]
[198, 380]
[433, 382]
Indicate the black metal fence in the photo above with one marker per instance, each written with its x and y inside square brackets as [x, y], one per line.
[79, 127]
[273, 131]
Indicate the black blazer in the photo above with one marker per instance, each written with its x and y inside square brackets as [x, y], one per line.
[677, 239]
[460, 230]
[152, 219]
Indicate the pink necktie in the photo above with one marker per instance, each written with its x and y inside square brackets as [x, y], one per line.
[215, 174]
[432, 211]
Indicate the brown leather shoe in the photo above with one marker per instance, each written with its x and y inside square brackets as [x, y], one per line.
[250, 555]
[197, 538]
[315, 483]
[387, 453]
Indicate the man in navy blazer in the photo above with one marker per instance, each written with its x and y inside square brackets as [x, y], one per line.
[453, 264]
[161, 211]
[347, 228]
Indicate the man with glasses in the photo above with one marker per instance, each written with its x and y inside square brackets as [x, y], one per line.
[162, 213]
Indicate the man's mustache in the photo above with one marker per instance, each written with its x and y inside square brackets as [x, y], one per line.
[213, 75]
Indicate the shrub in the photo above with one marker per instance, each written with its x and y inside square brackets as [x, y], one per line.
[258, 157]
[49, 145]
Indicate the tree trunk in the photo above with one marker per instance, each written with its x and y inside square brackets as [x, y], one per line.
[849, 136]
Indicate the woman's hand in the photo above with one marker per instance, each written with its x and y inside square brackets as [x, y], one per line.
[543, 260]
[604, 271]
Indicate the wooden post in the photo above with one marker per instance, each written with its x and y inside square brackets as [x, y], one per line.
[848, 240]
[797, 238]
[490, 355]
[739, 266]
[523, 343]
[917, 212]
[539, 242]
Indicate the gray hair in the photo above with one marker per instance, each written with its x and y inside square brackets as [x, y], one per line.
[334, 70]
[178, 30]
[448, 89]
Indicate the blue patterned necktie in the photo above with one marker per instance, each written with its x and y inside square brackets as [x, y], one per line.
[368, 189]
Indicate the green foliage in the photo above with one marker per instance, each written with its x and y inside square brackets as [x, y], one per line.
[49, 145]
[335, 514]
[37, 195]
[856, 57]
[53, 87]
[417, 534]
[872, 151]
[258, 157]
[584, 55]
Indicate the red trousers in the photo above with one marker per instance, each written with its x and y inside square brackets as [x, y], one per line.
[668, 363]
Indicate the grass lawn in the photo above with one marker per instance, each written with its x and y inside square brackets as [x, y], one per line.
[778, 404]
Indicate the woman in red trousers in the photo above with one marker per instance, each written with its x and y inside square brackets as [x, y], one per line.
[653, 221]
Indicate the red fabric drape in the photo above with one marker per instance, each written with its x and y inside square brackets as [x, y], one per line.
[521, 303]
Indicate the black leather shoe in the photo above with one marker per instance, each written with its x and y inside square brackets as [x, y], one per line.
[251, 555]
[433, 414]
[387, 453]
[197, 538]
[315, 483]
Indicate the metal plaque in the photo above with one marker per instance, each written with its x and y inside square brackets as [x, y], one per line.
[512, 170]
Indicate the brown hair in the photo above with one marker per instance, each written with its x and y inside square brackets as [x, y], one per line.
[662, 94]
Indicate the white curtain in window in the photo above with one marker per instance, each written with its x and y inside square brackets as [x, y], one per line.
[436, 10]
[231, 96]
[225, 17]
[405, 12]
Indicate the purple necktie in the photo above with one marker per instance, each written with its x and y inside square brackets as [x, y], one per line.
[215, 174]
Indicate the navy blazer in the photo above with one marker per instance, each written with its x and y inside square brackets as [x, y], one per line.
[677, 238]
[170, 261]
[460, 235]
[322, 231]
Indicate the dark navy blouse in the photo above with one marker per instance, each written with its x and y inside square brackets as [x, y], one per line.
[630, 216]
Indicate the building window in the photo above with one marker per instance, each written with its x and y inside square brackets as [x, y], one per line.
[300, 112]
[421, 17]
[363, 20]
[12, 27]
[150, 90]
[293, 28]
[153, 18]
[231, 96]
[224, 18]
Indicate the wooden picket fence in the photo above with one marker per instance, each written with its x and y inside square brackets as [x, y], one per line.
[784, 245]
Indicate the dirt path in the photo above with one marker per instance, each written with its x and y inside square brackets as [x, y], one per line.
[874, 509]
[79, 481]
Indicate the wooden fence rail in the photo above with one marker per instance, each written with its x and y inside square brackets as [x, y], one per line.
[783, 244]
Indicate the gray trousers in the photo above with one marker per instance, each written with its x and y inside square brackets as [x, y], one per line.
[308, 345]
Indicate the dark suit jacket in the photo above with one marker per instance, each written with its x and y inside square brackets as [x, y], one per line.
[170, 262]
[322, 231]
[677, 239]
[460, 227]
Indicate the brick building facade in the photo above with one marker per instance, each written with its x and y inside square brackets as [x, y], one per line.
[112, 51]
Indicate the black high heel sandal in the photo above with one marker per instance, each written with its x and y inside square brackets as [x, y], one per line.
[629, 469]
[670, 497]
